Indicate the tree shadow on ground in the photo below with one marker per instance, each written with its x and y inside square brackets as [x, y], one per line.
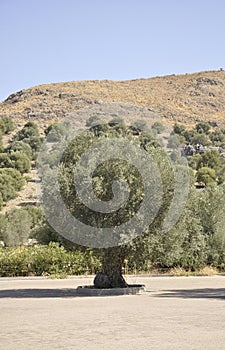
[203, 293]
[39, 293]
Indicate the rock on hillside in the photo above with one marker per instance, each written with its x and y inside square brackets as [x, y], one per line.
[187, 98]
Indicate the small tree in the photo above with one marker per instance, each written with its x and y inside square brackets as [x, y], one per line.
[20, 161]
[211, 159]
[6, 125]
[20, 146]
[202, 128]
[56, 132]
[179, 129]
[17, 227]
[200, 139]
[206, 175]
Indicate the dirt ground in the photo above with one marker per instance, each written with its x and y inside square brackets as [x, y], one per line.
[176, 313]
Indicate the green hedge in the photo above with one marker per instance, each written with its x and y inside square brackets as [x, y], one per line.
[48, 260]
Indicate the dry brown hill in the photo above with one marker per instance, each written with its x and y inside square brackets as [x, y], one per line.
[187, 98]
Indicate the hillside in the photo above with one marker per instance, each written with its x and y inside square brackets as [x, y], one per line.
[187, 98]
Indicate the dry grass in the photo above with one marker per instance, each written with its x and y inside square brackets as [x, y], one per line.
[186, 98]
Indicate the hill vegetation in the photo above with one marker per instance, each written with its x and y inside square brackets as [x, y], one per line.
[192, 104]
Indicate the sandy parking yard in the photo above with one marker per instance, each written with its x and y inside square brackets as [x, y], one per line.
[176, 313]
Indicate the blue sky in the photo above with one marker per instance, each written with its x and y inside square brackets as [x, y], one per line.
[45, 41]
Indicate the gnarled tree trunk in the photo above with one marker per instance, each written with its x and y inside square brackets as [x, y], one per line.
[111, 274]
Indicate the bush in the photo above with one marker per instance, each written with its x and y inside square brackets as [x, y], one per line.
[29, 129]
[45, 234]
[29, 134]
[200, 139]
[206, 175]
[211, 159]
[158, 127]
[55, 132]
[202, 128]
[11, 181]
[20, 146]
[6, 125]
[18, 224]
[16, 179]
[20, 161]
[46, 260]
[16, 160]
[179, 129]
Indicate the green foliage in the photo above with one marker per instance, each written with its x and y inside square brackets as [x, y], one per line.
[36, 214]
[6, 125]
[202, 128]
[55, 132]
[200, 139]
[179, 129]
[45, 234]
[29, 134]
[196, 240]
[2, 226]
[16, 179]
[20, 146]
[1, 144]
[5, 161]
[217, 138]
[11, 181]
[16, 160]
[20, 161]
[211, 159]
[30, 129]
[175, 141]
[206, 175]
[158, 127]
[195, 161]
[18, 224]
[46, 260]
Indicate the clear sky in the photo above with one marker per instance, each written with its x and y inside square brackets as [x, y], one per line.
[44, 41]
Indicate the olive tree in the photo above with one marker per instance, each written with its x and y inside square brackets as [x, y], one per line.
[148, 199]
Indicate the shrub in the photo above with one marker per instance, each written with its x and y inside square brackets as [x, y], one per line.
[18, 224]
[206, 175]
[55, 132]
[20, 146]
[11, 181]
[30, 135]
[202, 128]
[158, 127]
[28, 130]
[6, 125]
[46, 260]
[20, 161]
[179, 129]
[16, 160]
[16, 179]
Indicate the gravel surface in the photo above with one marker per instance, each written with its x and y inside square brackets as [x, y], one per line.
[175, 313]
